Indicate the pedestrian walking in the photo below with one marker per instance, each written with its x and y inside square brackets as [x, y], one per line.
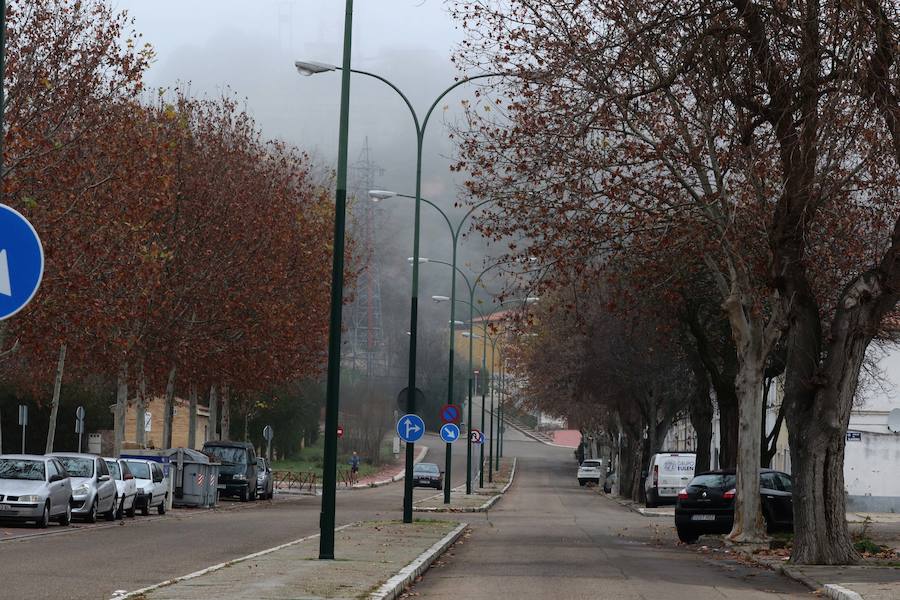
[354, 468]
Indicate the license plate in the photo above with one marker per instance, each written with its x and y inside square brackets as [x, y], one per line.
[703, 517]
[5, 507]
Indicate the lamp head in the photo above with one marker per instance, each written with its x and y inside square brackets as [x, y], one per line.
[378, 195]
[307, 68]
[440, 298]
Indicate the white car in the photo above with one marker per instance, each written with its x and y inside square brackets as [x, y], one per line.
[591, 470]
[125, 485]
[152, 485]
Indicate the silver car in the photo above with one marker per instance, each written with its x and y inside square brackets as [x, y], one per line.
[93, 490]
[265, 482]
[34, 488]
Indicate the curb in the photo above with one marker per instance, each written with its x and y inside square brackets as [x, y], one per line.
[473, 509]
[840, 593]
[394, 586]
[124, 595]
[535, 438]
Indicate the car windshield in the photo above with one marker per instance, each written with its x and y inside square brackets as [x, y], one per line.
[78, 467]
[714, 480]
[228, 454]
[139, 469]
[427, 468]
[11, 468]
[114, 469]
[590, 464]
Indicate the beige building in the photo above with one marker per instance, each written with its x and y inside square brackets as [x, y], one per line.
[153, 425]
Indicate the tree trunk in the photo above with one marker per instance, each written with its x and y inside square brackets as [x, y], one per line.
[140, 427]
[168, 410]
[54, 404]
[701, 419]
[226, 412]
[192, 417]
[213, 413]
[728, 428]
[749, 526]
[119, 411]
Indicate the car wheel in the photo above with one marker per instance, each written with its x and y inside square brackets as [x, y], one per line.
[582, 482]
[651, 501]
[66, 517]
[120, 513]
[687, 535]
[110, 515]
[45, 517]
[92, 515]
[130, 512]
[161, 509]
[145, 508]
[244, 494]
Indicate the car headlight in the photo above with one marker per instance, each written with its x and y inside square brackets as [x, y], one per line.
[81, 490]
[240, 476]
[30, 498]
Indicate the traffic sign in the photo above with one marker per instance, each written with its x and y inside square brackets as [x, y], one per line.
[450, 413]
[79, 413]
[450, 432]
[340, 431]
[410, 428]
[268, 434]
[401, 399]
[21, 262]
[476, 437]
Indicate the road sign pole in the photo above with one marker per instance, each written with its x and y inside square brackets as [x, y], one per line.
[23, 421]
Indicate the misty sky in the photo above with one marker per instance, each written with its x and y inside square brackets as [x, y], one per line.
[248, 49]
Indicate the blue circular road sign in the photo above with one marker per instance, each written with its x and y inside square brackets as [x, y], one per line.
[21, 262]
[410, 428]
[450, 432]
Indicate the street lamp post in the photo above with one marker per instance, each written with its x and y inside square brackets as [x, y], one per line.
[332, 393]
[455, 232]
[316, 67]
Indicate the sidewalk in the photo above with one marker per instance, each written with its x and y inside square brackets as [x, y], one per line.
[373, 560]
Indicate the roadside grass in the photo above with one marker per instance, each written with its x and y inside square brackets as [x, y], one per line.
[309, 460]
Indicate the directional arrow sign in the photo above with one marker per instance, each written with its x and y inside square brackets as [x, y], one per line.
[410, 428]
[21, 262]
[450, 432]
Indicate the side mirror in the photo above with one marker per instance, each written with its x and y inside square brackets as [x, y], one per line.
[644, 474]
[55, 478]
[128, 476]
[103, 478]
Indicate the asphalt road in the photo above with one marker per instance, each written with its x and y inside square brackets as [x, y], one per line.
[551, 538]
[92, 562]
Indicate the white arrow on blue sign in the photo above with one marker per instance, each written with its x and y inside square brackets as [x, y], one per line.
[21, 262]
[410, 428]
[450, 432]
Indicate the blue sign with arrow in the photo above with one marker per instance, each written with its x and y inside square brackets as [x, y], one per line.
[21, 262]
[450, 432]
[410, 428]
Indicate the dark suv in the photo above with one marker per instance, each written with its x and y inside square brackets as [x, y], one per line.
[237, 475]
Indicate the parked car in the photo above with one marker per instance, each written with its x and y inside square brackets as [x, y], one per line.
[93, 490]
[265, 482]
[591, 471]
[706, 505]
[125, 485]
[152, 485]
[666, 475]
[610, 481]
[428, 475]
[34, 488]
[237, 475]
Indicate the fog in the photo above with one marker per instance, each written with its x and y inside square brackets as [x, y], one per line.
[248, 49]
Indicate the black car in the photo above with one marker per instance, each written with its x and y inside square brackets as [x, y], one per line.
[706, 505]
[428, 475]
[237, 475]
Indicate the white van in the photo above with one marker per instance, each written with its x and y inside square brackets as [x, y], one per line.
[667, 474]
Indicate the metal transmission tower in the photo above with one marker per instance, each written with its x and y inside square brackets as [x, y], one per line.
[365, 348]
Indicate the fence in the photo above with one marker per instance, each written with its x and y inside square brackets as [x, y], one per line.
[299, 482]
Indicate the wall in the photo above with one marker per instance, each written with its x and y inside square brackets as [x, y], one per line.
[870, 473]
[153, 438]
